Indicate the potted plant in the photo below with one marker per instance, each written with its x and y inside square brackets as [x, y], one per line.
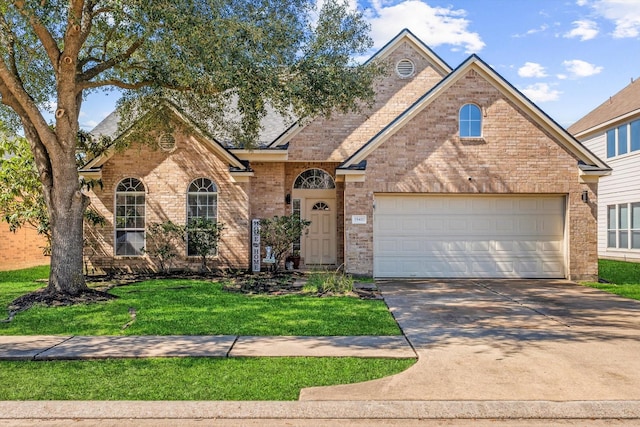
[294, 259]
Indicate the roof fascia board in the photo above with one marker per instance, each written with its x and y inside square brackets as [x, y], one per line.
[209, 142]
[262, 155]
[438, 63]
[474, 62]
[286, 136]
[602, 126]
[403, 118]
[560, 133]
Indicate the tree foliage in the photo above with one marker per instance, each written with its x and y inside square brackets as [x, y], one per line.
[21, 201]
[201, 55]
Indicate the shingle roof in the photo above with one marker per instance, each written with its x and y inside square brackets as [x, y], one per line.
[623, 102]
[272, 125]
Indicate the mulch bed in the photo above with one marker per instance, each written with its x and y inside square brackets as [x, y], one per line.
[279, 283]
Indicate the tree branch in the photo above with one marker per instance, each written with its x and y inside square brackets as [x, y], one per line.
[116, 83]
[45, 37]
[110, 63]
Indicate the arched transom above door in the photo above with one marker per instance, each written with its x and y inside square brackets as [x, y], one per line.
[314, 179]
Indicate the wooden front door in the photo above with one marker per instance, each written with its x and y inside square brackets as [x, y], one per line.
[319, 245]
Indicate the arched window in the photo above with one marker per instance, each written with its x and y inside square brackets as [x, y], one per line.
[202, 202]
[470, 121]
[314, 179]
[130, 214]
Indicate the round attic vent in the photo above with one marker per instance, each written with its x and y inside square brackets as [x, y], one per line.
[167, 142]
[405, 68]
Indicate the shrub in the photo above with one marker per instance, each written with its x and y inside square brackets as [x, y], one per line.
[203, 235]
[163, 239]
[280, 232]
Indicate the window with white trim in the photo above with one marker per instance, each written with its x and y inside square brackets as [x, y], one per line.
[202, 202]
[130, 217]
[623, 139]
[623, 226]
[470, 121]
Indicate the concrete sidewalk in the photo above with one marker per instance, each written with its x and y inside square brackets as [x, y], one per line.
[104, 347]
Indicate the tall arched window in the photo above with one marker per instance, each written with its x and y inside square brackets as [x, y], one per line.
[202, 202]
[470, 121]
[314, 179]
[130, 214]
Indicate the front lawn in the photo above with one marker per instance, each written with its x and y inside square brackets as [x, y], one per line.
[193, 307]
[623, 278]
[188, 307]
[186, 379]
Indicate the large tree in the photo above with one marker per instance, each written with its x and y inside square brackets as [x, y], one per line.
[200, 54]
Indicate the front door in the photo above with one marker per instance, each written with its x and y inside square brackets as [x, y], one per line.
[319, 245]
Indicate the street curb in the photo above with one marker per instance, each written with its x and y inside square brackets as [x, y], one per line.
[60, 410]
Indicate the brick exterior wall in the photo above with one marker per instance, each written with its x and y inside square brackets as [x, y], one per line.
[166, 177]
[22, 249]
[515, 156]
[337, 137]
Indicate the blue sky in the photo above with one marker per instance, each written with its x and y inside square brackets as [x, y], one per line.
[567, 56]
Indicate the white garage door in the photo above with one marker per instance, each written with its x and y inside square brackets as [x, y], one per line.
[469, 236]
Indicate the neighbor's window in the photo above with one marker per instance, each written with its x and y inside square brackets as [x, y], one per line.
[202, 202]
[130, 214]
[623, 139]
[623, 226]
[470, 121]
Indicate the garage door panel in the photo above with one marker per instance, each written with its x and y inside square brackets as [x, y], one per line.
[475, 236]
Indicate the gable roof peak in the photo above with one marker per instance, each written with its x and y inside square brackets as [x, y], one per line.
[406, 35]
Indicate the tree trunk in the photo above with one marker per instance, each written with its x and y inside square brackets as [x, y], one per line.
[66, 205]
[66, 220]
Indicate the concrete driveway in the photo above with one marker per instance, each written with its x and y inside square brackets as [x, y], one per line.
[507, 340]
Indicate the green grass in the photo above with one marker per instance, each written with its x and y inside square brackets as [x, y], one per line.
[623, 278]
[194, 307]
[185, 379]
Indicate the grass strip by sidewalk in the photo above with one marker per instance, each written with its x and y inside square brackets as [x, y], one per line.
[186, 379]
[194, 307]
[623, 278]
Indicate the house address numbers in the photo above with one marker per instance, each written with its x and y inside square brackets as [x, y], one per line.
[358, 219]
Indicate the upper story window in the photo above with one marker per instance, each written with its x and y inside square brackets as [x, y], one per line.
[623, 139]
[470, 121]
[130, 217]
[202, 202]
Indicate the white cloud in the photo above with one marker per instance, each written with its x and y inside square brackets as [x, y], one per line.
[542, 28]
[585, 30]
[541, 92]
[532, 69]
[580, 68]
[433, 25]
[625, 15]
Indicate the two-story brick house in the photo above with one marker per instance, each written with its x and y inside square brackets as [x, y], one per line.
[612, 131]
[451, 173]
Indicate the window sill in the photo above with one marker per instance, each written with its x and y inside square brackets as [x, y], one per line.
[472, 140]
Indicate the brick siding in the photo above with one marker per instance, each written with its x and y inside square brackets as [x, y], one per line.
[515, 156]
[22, 249]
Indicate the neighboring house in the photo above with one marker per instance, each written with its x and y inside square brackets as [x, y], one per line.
[451, 173]
[612, 132]
[22, 248]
